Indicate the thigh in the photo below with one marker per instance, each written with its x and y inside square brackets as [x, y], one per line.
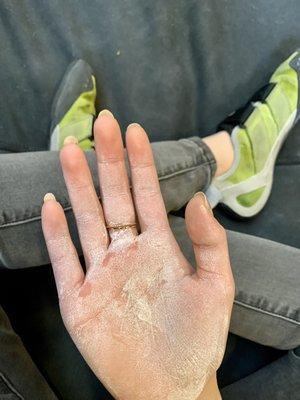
[19, 377]
[277, 381]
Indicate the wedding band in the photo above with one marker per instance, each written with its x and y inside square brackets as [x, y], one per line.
[120, 227]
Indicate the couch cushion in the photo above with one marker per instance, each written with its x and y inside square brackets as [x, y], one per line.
[177, 67]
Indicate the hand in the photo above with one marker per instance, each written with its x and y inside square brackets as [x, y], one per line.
[148, 324]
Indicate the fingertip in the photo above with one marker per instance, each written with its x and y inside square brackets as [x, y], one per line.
[70, 155]
[70, 140]
[104, 120]
[49, 203]
[204, 201]
[202, 227]
[135, 130]
[105, 113]
[49, 197]
[53, 218]
[198, 206]
[209, 240]
[134, 126]
[107, 134]
[138, 145]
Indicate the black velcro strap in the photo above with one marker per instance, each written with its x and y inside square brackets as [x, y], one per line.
[240, 116]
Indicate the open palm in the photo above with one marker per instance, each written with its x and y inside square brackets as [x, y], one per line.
[148, 324]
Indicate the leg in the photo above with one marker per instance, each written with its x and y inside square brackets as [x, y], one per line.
[187, 164]
[221, 146]
[277, 381]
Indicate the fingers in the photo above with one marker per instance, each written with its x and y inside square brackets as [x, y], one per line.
[65, 263]
[115, 193]
[85, 203]
[208, 237]
[148, 200]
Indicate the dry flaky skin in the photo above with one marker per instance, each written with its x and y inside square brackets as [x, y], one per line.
[149, 326]
[141, 315]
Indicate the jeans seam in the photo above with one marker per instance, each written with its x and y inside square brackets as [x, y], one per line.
[11, 387]
[183, 171]
[210, 170]
[68, 207]
[271, 313]
[210, 159]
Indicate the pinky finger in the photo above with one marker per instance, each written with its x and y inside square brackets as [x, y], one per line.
[67, 270]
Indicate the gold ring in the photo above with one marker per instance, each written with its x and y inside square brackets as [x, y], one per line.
[119, 227]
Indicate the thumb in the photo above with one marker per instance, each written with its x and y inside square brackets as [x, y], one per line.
[208, 237]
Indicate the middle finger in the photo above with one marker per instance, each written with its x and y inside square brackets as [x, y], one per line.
[115, 192]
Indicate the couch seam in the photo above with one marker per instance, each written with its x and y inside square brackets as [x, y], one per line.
[10, 386]
[260, 310]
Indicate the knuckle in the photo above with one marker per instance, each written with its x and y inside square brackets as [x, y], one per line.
[146, 191]
[80, 187]
[142, 166]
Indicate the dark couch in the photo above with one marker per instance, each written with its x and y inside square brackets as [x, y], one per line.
[177, 67]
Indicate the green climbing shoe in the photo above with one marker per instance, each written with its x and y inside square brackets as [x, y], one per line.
[73, 108]
[258, 131]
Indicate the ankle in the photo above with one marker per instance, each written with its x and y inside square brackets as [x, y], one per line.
[221, 146]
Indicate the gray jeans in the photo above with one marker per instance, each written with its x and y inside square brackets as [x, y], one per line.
[266, 308]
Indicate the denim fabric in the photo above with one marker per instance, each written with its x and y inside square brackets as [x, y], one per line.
[187, 164]
[278, 381]
[19, 377]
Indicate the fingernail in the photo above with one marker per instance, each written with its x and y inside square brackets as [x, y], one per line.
[70, 140]
[49, 197]
[134, 124]
[107, 113]
[204, 201]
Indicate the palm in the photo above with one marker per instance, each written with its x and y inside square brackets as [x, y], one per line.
[148, 325]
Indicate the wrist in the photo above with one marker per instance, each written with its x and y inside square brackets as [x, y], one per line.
[211, 390]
